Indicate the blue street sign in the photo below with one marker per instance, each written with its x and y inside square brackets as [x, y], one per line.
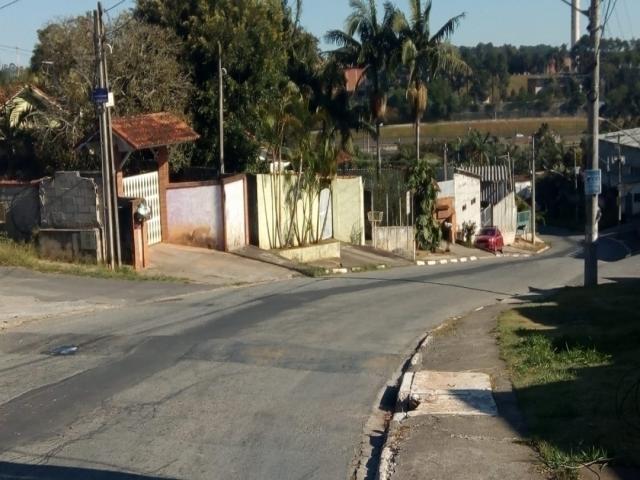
[100, 95]
[592, 182]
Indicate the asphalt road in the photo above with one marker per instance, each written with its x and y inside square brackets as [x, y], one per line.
[269, 382]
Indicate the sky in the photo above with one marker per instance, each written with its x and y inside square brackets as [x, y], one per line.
[516, 22]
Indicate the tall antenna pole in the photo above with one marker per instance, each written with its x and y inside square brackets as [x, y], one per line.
[575, 22]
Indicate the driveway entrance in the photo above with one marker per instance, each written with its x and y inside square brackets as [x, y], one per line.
[211, 267]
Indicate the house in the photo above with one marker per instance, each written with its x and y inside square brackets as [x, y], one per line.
[461, 198]
[498, 198]
[620, 164]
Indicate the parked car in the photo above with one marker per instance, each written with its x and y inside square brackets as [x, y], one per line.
[490, 238]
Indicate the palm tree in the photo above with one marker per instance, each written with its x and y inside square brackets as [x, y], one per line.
[426, 56]
[369, 43]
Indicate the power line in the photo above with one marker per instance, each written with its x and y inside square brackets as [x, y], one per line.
[114, 6]
[8, 4]
[14, 48]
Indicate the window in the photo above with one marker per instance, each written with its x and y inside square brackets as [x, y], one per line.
[464, 207]
[473, 201]
[636, 198]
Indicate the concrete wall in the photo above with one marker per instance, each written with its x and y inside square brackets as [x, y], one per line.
[447, 189]
[399, 240]
[275, 212]
[69, 201]
[71, 244]
[194, 214]
[235, 213]
[19, 209]
[505, 216]
[312, 253]
[348, 209]
[467, 200]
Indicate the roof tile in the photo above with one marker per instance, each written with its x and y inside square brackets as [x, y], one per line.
[153, 130]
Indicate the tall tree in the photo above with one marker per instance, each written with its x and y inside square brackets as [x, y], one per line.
[255, 35]
[426, 56]
[145, 71]
[370, 43]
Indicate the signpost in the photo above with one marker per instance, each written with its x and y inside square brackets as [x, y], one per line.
[100, 95]
[592, 182]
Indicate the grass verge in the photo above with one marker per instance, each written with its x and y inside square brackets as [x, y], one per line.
[574, 362]
[14, 254]
[507, 128]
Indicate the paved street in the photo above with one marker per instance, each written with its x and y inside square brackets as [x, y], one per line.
[269, 382]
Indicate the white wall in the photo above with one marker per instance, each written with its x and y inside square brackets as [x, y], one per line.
[348, 209]
[467, 200]
[234, 214]
[447, 189]
[505, 217]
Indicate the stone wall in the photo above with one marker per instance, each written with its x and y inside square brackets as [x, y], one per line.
[19, 209]
[69, 201]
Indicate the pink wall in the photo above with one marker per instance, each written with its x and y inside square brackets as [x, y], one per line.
[194, 214]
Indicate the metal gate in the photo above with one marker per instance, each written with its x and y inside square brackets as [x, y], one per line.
[146, 186]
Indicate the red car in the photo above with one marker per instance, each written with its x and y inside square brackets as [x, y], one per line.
[490, 238]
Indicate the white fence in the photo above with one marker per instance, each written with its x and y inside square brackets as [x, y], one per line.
[146, 186]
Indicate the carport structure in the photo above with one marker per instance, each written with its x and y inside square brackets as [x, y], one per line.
[155, 132]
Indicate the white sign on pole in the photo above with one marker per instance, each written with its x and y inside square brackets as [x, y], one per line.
[592, 182]
[408, 203]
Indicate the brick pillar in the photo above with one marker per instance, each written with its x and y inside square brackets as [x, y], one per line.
[163, 182]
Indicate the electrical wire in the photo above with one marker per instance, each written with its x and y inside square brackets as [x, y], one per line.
[12, 2]
[114, 6]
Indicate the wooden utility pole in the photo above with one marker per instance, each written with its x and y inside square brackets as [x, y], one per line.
[591, 227]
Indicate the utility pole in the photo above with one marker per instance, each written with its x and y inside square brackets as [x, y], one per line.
[110, 154]
[620, 162]
[591, 227]
[575, 182]
[102, 116]
[446, 151]
[113, 253]
[221, 107]
[533, 191]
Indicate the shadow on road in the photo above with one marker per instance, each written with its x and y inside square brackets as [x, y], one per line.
[20, 471]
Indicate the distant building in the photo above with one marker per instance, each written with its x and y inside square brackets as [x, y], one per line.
[624, 145]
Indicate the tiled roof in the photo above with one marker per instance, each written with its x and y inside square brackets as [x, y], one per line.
[153, 130]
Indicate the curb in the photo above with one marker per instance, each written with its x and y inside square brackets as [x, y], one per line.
[386, 467]
[343, 270]
[445, 261]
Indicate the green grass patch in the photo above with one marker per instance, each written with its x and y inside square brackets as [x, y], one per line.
[508, 128]
[25, 255]
[574, 361]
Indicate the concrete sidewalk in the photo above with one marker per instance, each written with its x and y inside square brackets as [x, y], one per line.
[458, 415]
[211, 267]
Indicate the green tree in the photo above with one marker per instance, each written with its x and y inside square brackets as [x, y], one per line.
[425, 196]
[256, 39]
[369, 42]
[145, 75]
[426, 56]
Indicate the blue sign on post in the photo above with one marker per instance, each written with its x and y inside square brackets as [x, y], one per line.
[100, 95]
[592, 182]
